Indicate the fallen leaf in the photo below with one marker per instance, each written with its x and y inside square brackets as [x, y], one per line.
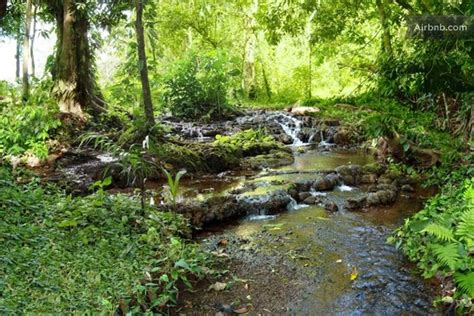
[246, 286]
[241, 310]
[223, 242]
[168, 166]
[354, 274]
[218, 286]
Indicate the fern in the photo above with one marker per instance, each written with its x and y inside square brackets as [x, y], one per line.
[447, 254]
[465, 282]
[441, 232]
[466, 225]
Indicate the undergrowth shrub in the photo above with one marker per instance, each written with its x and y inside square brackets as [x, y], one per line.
[440, 239]
[63, 254]
[26, 128]
[197, 87]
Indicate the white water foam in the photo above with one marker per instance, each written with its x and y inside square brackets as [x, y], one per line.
[344, 188]
[260, 217]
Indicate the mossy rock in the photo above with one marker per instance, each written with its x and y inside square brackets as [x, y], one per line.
[274, 159]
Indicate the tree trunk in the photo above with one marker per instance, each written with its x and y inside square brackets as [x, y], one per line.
[26, 52]
[249, 85]
[142, 65]
[3, 8]
[386, 37]
[75, 84]
[32, 44]
[17, 58]
[267, 84]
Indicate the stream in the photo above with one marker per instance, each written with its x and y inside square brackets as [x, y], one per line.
[294, 245]
[326, 248]
[339, 261]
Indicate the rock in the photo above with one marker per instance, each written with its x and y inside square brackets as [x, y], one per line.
[407, 188]
[275, 158]
[373, 199]
[325, 183]
[381, 197]
[343, 136]
[303, 186]
[293, 193]
[304, 110]
[350, 174]
[356, 203]
[384, 180]
[303, 195]
[312, 200]
[375, 168]
[331, 122]
[368, 178]
[390, 187]
[331, 206]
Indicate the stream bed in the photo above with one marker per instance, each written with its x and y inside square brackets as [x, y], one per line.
[323, 263]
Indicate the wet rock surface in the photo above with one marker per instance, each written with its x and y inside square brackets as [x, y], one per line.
[303, 263]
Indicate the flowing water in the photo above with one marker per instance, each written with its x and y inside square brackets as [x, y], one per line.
[350, 268]
[347, 266]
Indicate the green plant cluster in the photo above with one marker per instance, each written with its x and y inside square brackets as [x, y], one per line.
[197, 87]
[440, 239]
[26, 128]
[373, 116]
[250, 142]
[63, 254]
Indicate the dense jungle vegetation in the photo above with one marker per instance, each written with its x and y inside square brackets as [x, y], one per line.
[118, 67]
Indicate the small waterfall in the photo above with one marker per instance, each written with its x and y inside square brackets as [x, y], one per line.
[323, 143]
[291, 126]
[293, 205]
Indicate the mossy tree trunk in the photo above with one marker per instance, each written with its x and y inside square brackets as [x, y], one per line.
[75, 85]
[382, 7]
[142, 65]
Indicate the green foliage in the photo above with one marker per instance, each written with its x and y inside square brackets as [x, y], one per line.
[440, 238]
[249, 142]
[197, 87]
[173, 185]
[85, 254]
[26, 128]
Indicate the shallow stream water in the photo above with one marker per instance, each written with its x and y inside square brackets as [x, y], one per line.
[351, 270]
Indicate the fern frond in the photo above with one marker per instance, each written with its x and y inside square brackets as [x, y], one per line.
[447, 254]
[466, 225]
[441, 232]
[465, 282]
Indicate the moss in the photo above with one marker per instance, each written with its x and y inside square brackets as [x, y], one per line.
[274, 159]
[249, 148]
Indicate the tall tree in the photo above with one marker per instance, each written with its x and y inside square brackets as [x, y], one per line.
[32, 42]
[26, 51]
[382, 8]
[142, 65]
[249, 85]
[75, 85]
